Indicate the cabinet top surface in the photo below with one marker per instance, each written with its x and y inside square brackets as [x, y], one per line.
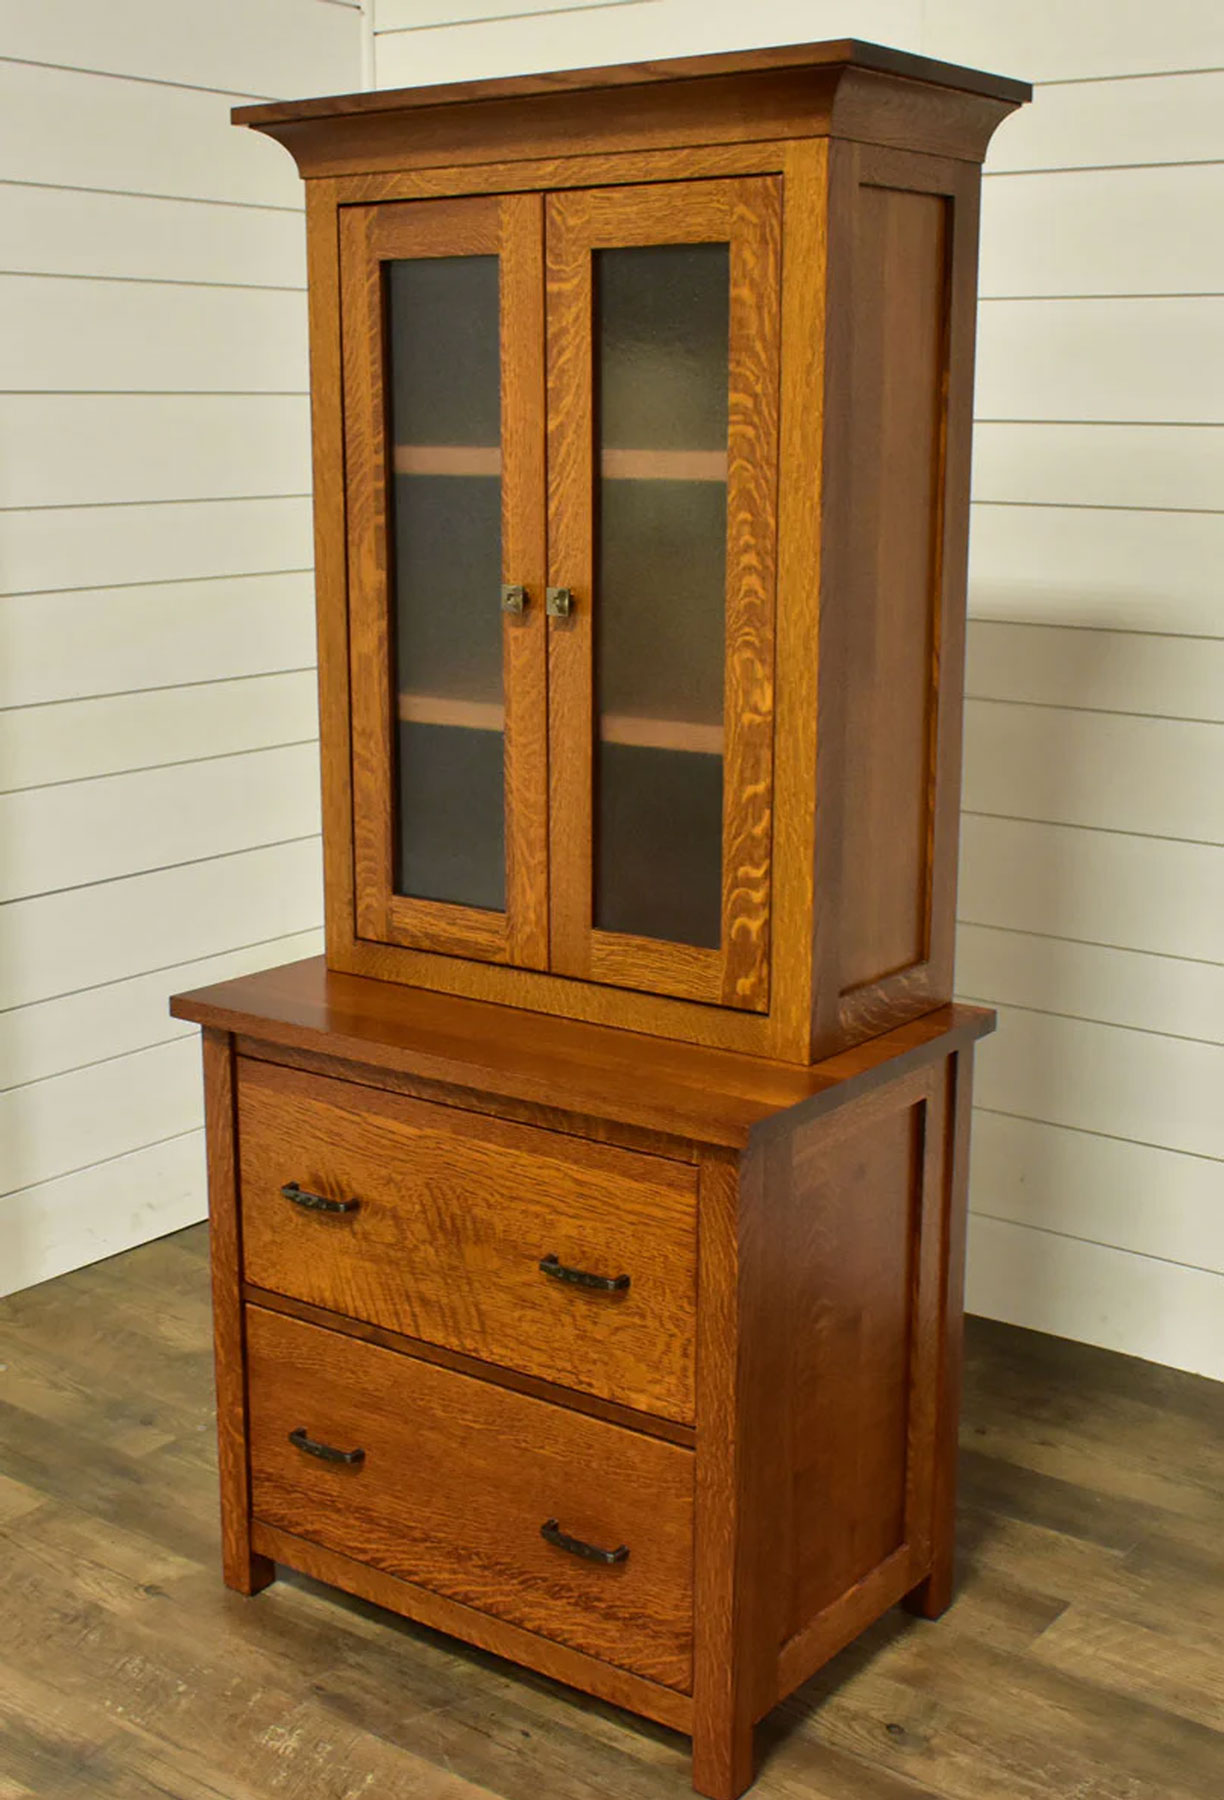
[683, 1090]
[843, 53]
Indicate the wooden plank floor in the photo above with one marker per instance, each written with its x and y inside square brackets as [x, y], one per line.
[1083, 1660]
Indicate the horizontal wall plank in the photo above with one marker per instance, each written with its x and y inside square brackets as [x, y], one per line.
[1123, 360]
[1103, 887]
[270, 49]
[92, 831]
[1097, 1295]
[1127, 571]
[61, 943]
[1150, 1202]
[70, 547]
[1159, 119]
[77, 740]
[1105, 231]
[1129, 1084]
[57, 231]
[1091, 981]
[135, 137]
[65, 336]
[95, 449]
[412, 15]
[1047, 40]
[124, 1016]
[97, 1212]
[1109, 771]
[110, 640]
[52, 1127]
[1180, 467]
[597, 34]
[1116, 671]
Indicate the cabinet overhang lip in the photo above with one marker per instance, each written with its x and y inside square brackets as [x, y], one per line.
[836, 56]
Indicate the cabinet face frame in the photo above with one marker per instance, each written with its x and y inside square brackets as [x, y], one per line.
[507, 227]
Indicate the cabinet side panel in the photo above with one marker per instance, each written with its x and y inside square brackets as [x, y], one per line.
[891, 577]
[854, 1241]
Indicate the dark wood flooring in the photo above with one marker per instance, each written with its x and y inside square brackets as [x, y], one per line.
[1083, 1659]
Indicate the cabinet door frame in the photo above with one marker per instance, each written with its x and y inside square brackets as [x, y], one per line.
[511, 227]
[745, 213]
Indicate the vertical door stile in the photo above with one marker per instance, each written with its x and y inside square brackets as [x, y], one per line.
[524, 564]
[571, 544]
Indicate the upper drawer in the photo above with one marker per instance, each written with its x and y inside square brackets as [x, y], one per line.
[455, 1213]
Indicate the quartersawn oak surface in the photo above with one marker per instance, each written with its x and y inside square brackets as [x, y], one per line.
[1082, 1655]
[686, 1091]
[457, 1479]
[454, 1212]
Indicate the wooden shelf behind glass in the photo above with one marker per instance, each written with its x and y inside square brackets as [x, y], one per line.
[615, 465]
[690, 735]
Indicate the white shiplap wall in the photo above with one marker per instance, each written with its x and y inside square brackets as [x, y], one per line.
[158, 764]
[1092, 893]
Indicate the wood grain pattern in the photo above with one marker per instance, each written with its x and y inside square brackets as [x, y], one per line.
[809, 55]
[457, 1479]
[455, 1215]
[746, 215]
[685, 1091]
[557, 1661]
[511, 227]
[935, 1594]
[244, 1569]
[331, 561]
[1082, 1647]
[597, 1408]
[684, 105]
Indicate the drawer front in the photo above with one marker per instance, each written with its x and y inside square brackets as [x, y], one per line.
[456, 1480]
[455, 1213]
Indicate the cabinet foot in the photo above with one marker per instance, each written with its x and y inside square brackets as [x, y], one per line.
[723, 1761]
[249, 1573]
[932, 1597]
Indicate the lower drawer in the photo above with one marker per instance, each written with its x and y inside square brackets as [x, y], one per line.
[455, 1479]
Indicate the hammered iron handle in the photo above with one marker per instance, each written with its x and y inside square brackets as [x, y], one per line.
[576, 1546]
[600, 1284]
[317, 1202]
[325, 1452]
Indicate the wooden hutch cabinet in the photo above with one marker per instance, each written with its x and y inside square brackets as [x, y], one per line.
[588, 1227]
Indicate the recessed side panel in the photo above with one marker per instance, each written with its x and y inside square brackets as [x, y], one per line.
[888, 602]
[856, 1237]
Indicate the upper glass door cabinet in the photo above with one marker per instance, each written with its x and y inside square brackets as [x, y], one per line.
[560, 439]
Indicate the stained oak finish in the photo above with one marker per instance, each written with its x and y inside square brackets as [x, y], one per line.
[1082, 1649]
[457, 1478]
[455, 1213]
[688, 1036]
[577, 1072]
[746, 216]
[371, 238]
[846, 179]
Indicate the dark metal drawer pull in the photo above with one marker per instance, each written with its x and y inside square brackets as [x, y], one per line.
[553, 1532]
[324, 1452]
[317, 1202]
[602, 1284]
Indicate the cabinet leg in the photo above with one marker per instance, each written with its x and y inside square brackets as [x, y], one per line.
[934, 1596]
[244, 1570]
[723, 1760]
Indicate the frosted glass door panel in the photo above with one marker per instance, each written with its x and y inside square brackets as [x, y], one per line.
[445, 395]
[661, 318]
